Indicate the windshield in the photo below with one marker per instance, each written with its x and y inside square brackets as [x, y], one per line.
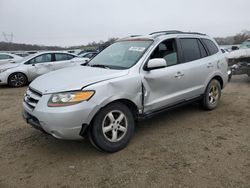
[121, 55]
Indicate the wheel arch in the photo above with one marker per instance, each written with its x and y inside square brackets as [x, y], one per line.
[130, 104]
[219, 79]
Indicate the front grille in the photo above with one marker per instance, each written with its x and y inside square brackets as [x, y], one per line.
[31, 98]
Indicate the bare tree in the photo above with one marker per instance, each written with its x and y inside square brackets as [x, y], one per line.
[241, 37]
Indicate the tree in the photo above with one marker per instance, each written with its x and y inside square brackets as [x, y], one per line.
[241, 37]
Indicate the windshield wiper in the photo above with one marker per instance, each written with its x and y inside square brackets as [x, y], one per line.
[100, 65]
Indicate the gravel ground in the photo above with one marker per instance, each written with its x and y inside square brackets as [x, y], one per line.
[186, 147]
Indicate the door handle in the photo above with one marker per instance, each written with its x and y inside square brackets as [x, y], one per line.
[209, 65]
[179, 75]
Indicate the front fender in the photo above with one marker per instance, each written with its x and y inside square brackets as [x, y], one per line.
[116, 89]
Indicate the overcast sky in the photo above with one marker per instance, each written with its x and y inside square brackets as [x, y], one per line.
[74, 22]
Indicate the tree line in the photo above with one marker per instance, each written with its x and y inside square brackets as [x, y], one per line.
[6, 46]
[236, 39]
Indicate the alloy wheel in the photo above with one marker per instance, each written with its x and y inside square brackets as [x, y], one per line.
[213, 94]
[114, 126]
[17, 80]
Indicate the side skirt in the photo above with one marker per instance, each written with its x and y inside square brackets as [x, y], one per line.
[144, 116]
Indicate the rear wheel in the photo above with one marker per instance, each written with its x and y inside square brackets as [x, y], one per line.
[212, 95]
[17, 80]
[112, 128]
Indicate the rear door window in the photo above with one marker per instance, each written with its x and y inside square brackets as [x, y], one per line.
[191, 50]
[63, 57]
[202, 49]
[212, 48]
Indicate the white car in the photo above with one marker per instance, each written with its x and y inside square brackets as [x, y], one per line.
[89, 55]
[8, 57]
[21, 72]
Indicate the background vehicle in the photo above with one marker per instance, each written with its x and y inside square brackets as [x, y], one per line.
[88, 55]
[19, 73]
[8, 57]
[239, 61]
[132, 79]
[245, 44]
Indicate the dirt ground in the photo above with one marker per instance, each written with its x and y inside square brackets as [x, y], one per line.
[186, 147]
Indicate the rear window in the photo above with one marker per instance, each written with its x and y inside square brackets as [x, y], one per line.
[63, 57]
[190, 49]
[212, 48]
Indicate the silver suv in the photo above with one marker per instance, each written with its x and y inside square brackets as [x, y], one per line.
[133, 79]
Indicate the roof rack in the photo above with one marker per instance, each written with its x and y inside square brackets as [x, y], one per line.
[174, 32]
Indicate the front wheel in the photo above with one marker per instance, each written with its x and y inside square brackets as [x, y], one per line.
[112, 128]
[17, 80]
[212, 95]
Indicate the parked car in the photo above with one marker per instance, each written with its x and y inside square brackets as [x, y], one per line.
[245, 44]
[8, 58]
[239, 61]
[21, 72]
[88, 55]
[132, 79]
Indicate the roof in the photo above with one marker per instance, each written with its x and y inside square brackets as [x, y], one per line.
[159, 34]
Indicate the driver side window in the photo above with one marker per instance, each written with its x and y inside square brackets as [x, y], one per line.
[166, 50]
[41, 59]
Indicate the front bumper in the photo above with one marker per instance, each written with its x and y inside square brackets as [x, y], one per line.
[3, 78]
[60, 122]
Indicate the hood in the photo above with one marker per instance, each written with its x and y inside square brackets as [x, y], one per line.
[9, 65]
[241, 53]
[74, 78]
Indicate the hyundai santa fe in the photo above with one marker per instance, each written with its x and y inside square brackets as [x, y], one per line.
[133, 79]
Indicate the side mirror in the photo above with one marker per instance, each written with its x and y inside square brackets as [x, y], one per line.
[156, 63]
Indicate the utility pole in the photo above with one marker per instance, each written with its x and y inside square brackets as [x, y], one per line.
[8, 37]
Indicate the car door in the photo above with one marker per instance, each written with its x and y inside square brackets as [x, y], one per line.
[63, 60]
[39, 65]
[197, 66]
[163, 87]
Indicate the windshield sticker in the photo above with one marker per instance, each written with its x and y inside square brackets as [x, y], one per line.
[137, 49]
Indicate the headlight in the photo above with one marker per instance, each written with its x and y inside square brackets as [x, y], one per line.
[69, 98]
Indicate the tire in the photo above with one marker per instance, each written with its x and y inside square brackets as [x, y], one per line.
[17, 80]
[112, 128]
[212, 95]
[229, 77]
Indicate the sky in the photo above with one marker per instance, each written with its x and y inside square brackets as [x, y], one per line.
[78, 22]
